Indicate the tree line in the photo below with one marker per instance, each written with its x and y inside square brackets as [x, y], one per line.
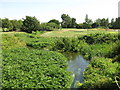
[29, 24]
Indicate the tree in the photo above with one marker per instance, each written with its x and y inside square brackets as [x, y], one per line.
[116, 24]
[95, 25]
[112, 23]
[56, 23]
[17, 24]
[66, 21]
[73, 23]
[86, 19]
[6, 25]
[20, 24]
[53, 26]
[48, 26]
[30, 24]
[79, 26]
[88, 22]
[98, 21]
[104, 23]
[44, 27]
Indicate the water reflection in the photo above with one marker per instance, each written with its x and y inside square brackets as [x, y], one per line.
[76, 65]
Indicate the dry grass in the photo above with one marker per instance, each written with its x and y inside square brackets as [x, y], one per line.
[11, 32]
[74, 32]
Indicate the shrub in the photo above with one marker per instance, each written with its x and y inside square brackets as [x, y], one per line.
[100, 74]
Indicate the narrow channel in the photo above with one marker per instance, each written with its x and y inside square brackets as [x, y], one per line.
[76, 65]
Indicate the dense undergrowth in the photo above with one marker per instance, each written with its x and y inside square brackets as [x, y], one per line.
[26, 68]
[100, 74]
[10, 41]
[102, 49]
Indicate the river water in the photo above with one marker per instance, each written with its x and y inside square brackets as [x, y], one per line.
[76, 65]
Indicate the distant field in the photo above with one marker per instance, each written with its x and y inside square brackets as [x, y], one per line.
[69, 32]
[75, 32]
[11, 32]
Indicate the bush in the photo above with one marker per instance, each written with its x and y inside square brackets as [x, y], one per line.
[99, 38]
[100, 74]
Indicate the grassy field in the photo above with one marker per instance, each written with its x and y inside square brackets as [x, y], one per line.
[75, 32]
[68, 32]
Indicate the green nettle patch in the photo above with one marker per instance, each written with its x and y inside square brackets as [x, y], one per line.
[24, 68]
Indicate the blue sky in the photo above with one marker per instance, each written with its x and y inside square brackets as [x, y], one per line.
[45, 10]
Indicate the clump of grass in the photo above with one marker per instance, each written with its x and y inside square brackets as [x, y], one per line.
[10, 41]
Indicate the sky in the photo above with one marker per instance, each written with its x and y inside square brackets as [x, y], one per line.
[45, 10]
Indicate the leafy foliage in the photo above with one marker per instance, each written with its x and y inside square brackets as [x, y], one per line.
[89, 45]
[30, 24]
[11, 25]
[55, 21]
[67, 21]
[116, 23]
[49, 26]
[16, 25]
[6, 24]
[99, 38]
[25, 68]
[101, 74]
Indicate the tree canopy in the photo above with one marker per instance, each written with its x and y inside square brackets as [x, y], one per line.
[30, 24]
[67, 21]
[6, 24]
[54, 21]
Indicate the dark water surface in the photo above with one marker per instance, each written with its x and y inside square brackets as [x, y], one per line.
[76, 65]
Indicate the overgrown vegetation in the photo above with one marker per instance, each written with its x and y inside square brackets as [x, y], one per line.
[10, 41]
[101, 49]
[30, 68]
[101, 73]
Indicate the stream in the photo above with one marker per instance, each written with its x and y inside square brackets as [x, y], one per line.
[76, 65]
